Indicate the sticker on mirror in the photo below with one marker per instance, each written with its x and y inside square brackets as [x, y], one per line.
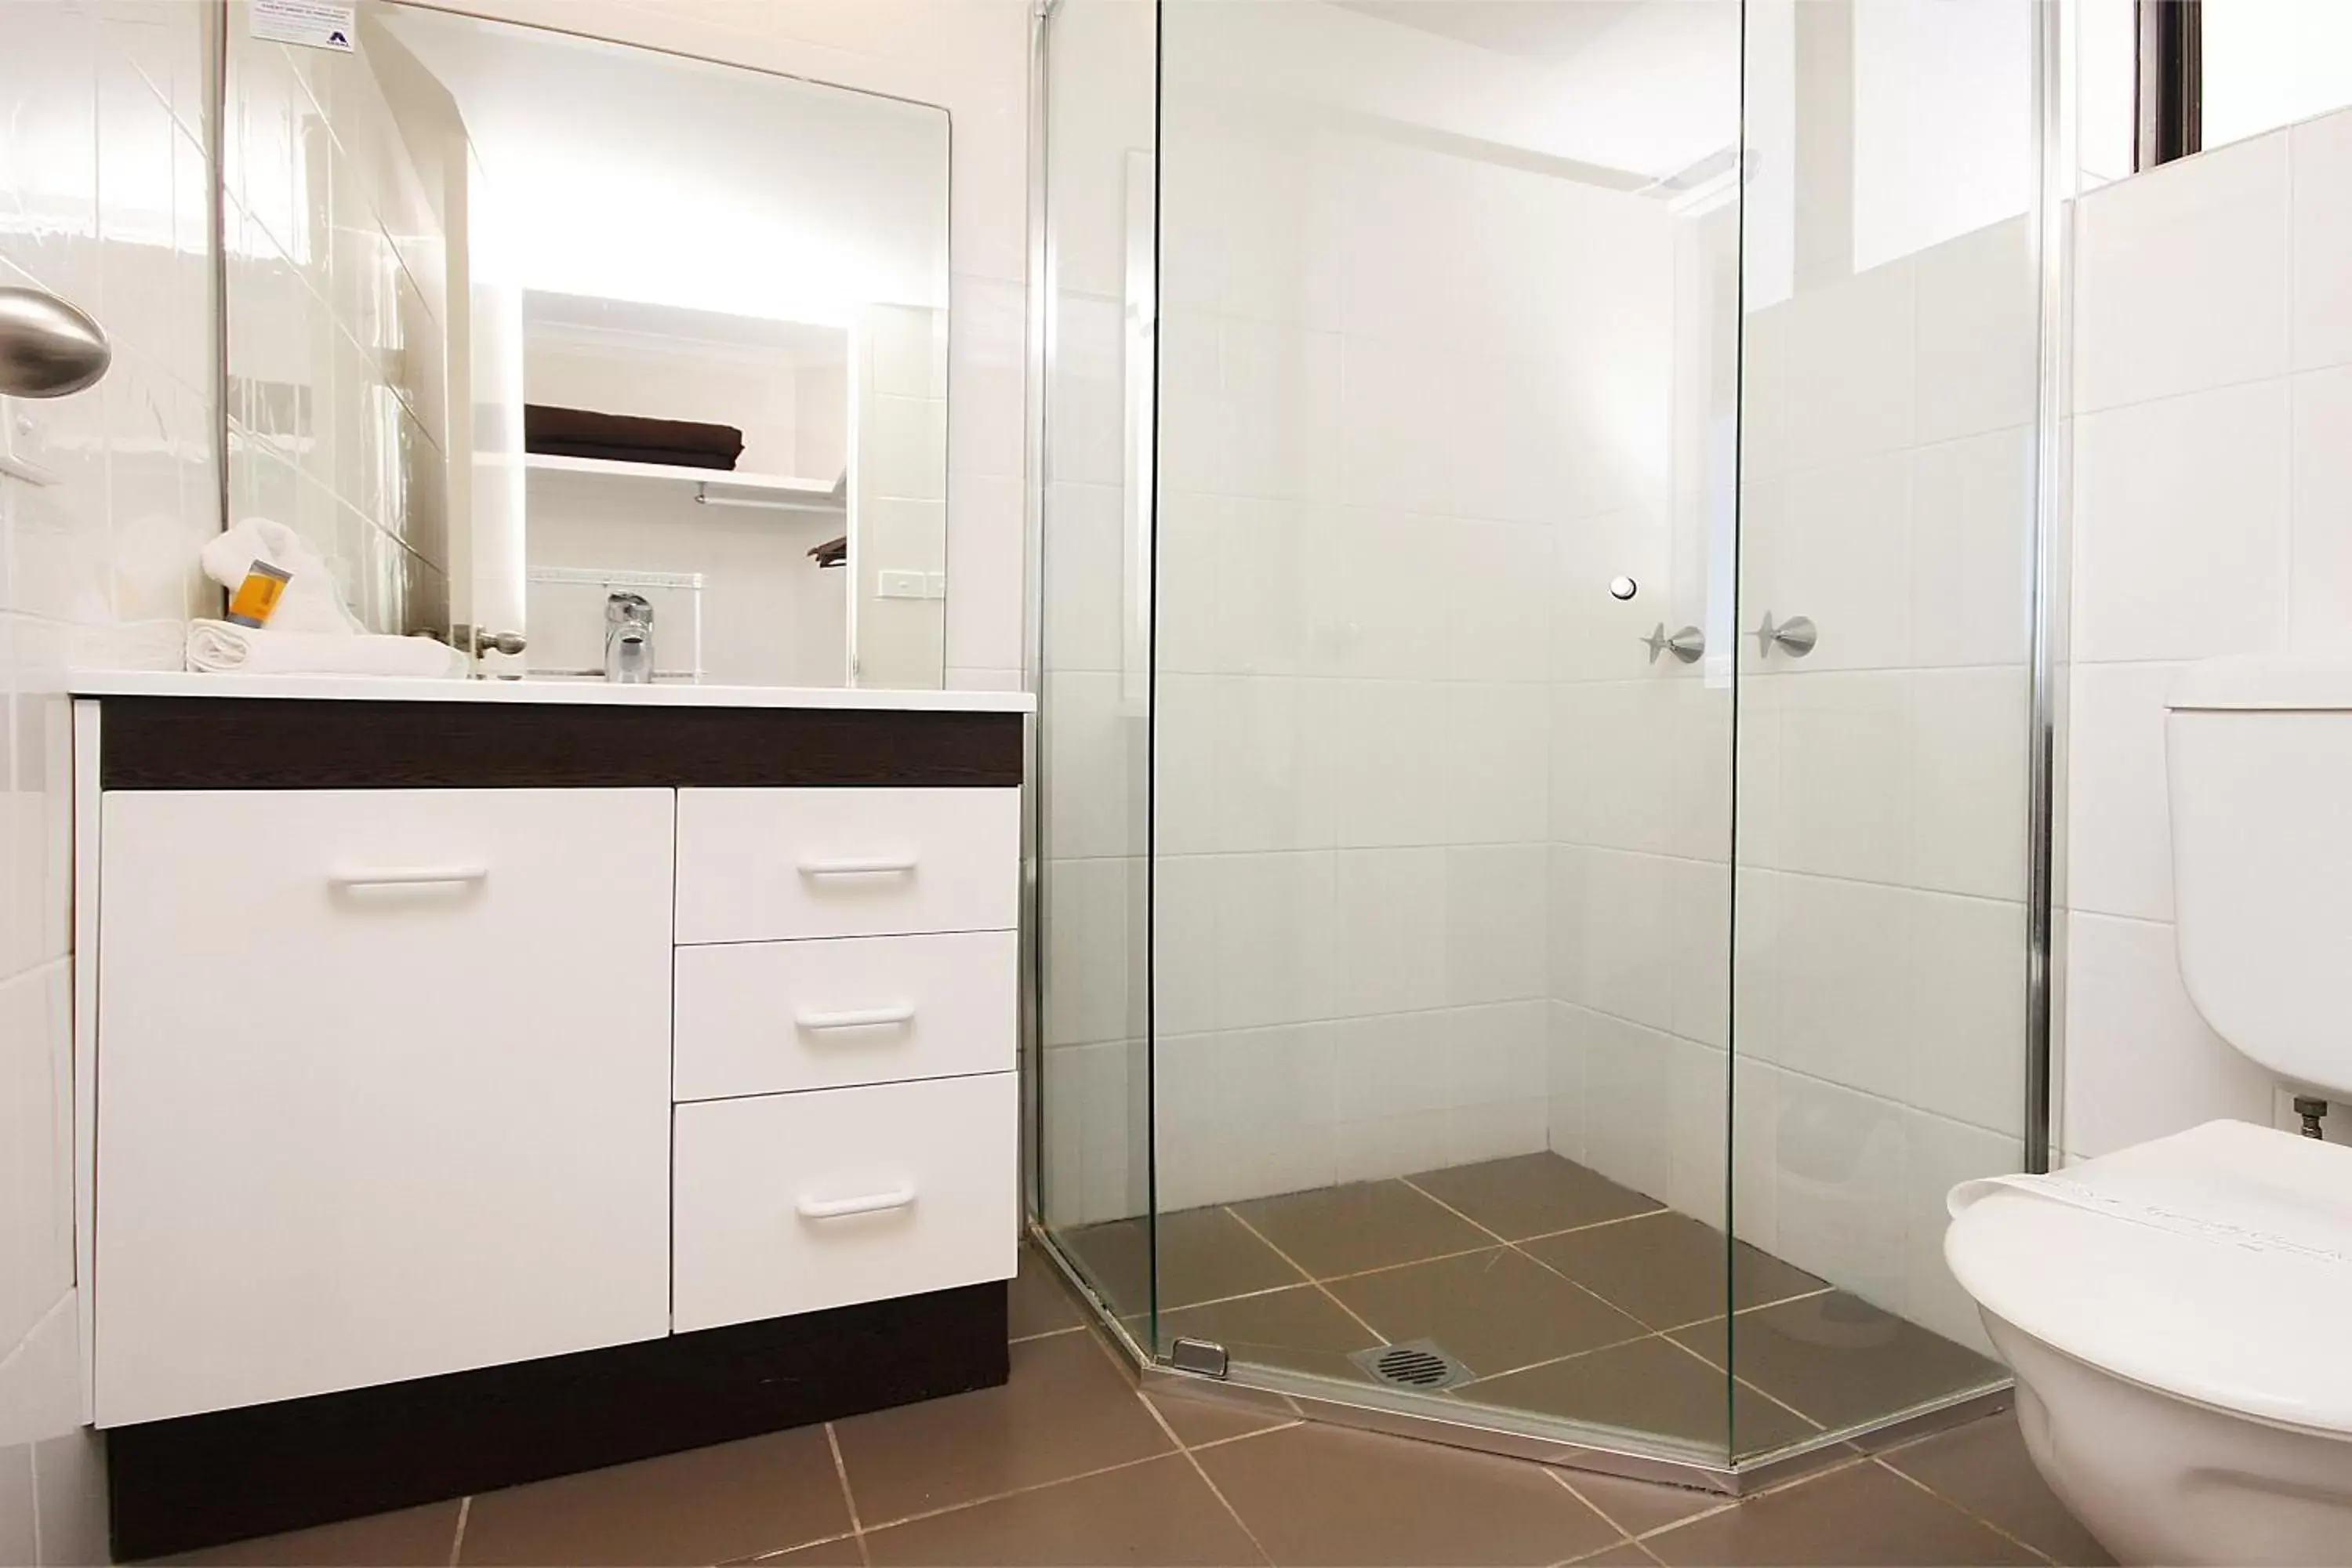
[314, 22]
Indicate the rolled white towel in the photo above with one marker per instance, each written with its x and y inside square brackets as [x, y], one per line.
[219, 647]
[311, 603]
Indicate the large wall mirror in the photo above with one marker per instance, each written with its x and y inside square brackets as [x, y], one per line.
[599, 362]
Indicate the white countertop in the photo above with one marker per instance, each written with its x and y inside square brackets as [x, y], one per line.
[393, 689]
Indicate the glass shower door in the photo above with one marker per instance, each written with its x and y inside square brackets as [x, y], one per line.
[1889, 406]
[1442, 704]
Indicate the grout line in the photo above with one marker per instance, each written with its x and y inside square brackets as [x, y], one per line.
[1735, 1377]
[804, 1546]
[1744, 1311]
[1963, 1510]
[1560, 1476]
[1378, 1338]
[458, 1541]
[1201, 1471]
[848, 1498]
[1014, 1492]
[1509, 1245]
[1046, 1334]
[1598, 1223]
[1245, 1436]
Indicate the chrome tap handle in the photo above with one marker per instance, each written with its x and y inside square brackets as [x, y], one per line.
[1794, 637]
[1688, 645]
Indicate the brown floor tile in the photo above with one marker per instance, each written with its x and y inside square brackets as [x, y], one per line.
[1300, 1329]
[1314, 1494]
[1860, 1517]
[1067, 1410]
[706, 1505]
[1364, 1224]
[1206, 1254]
[1156, 1512]
[1040, 1302]
[1532, 1194]
[398, 1540]
[1667, 1269]
[1984, 1467]
[1199, 1421]
[1495, 1310]
[1647, 1387]
[1839, 1360]
[1624, 1554]
[1638, 1507]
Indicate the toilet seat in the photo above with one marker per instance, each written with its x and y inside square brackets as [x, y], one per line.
[2214, 1266]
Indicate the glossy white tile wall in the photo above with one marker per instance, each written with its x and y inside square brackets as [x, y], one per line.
[2212, 515]
[1878, 1007]
[105, 203]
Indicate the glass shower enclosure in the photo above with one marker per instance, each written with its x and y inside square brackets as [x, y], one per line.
[1540, 846]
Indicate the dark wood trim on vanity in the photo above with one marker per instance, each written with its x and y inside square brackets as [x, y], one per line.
[227, 1475]
[250, 742]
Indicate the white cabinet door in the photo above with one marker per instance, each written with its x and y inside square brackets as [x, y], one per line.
[383, 1087]
[794, 1203]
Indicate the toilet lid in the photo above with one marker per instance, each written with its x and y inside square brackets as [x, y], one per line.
[2214, 1265]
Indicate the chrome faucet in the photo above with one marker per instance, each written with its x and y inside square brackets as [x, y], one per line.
[628, 640]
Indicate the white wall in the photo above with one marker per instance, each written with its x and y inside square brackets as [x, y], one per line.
[2212, 515]
[970, 57]
[103, 197]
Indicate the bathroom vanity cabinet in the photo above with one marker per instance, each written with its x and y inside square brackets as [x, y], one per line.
[481, 1085]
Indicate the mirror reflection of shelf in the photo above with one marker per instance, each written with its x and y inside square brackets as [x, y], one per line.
[671, 586]
[712, 487]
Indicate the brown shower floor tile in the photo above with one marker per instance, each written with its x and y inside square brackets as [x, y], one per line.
[1667, 1269]
[1648, 1385]
[1206, 1254]
[1839, 1359]
[1495, 1310]
[1532, 1194]
[1071, 1464]
[1332, 1231]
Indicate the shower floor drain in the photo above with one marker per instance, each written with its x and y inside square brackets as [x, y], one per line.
[1416, 1363]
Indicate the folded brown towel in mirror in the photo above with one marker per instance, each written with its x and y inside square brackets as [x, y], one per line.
[628, 437]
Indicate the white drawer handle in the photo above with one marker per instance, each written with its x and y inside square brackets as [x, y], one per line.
[408, 877]
[867, 1018]
[879, 865]
[872, 1203]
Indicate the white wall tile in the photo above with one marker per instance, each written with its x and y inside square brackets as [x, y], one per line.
[1841, 1194]
[1971, 548]
[2320, 318]
[1497, 907]
[2139, 1061]
[2320, 591]
[1628, 1089]
[1978, 338]
[36, 1197]
[2119, 847]
[1942, 1155]
[1391, 931]
[2180, 525]
[2181, 277]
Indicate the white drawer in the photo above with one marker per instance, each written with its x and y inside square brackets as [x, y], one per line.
[760, 865]
[792, 1203]
[764, 1017]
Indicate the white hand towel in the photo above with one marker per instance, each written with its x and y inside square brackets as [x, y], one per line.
[219, 647]
[311, 603]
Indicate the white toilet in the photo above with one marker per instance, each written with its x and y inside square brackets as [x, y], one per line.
[2179, 1314]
